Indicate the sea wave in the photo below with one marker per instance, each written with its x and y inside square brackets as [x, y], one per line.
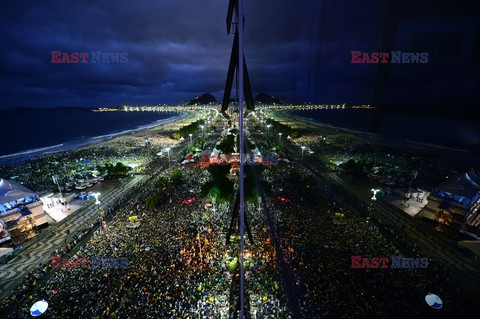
[30, 151]
[139, 128]
[437, 146]
[38, 152]
[376, 136]
[319, 123]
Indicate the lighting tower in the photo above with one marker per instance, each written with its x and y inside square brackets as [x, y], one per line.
[237, 63]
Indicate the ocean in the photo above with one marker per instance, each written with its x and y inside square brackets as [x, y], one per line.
[30, 133]
[412, 128]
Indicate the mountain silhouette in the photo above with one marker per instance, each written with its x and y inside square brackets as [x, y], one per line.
[203, 99]
[264, 98]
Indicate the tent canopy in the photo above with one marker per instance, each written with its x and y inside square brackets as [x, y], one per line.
[466, 184]
[11, 191]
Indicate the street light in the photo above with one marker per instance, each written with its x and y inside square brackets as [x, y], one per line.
[64, 201]
[97, 202]
[202, 126]
[303, 148]
[100, 213]
[279, 137]
[168, 154]
[268, 128]
[374, 191]
[190, 137]
[371, 207]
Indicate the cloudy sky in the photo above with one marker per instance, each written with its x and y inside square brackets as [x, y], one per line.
[298, 50]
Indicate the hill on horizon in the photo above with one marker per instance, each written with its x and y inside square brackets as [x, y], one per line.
[264, 98]
[203, 99]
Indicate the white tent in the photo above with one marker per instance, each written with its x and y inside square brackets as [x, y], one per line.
[12, 191]
[39, 308]
[434, 301]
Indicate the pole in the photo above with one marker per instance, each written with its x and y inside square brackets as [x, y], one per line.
[414, 175]
[371, 208]
[60, 190]
[242, 155]
[370, 212]
[97, 203]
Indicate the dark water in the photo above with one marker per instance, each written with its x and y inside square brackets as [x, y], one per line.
[440, 132]
[27, 132]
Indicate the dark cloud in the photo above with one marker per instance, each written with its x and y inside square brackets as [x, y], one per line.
[296, 49]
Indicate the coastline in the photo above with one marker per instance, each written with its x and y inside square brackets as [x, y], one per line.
[306, 123]
[173, 123]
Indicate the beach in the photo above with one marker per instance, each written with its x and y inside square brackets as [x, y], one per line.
[302, 123]
[35, 171]
[171, 123]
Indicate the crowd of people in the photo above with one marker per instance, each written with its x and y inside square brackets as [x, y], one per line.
[36, 174]
[318, 246]
[179, 266]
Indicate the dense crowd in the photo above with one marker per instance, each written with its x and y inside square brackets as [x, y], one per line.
[318, 247]
[178, 265]
[36, 174]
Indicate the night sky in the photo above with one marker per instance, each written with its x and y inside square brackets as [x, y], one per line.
[298, 50]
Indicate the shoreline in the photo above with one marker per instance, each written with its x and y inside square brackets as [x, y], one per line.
[184, 118]
[367, 135]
